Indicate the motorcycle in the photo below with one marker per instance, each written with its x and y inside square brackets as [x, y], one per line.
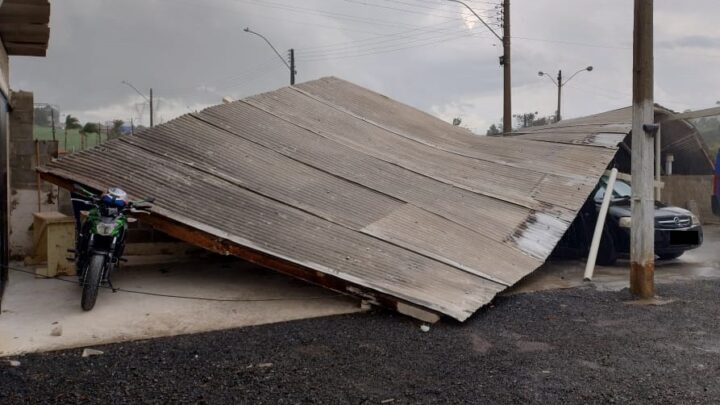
[100, 237]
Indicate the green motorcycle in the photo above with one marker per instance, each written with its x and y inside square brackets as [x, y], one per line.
[100, 237]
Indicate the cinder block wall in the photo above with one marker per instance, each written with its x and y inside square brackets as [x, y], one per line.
[679, 190]
[23, 178]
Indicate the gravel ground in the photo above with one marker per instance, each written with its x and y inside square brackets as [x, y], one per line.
[568, 346]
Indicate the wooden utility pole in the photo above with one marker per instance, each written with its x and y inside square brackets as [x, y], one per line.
[507, 81]
[642, 234]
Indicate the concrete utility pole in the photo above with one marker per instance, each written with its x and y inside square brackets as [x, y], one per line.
[152, 115]
[150, 100]
[504, 61]
[560, 83]
[558, 116]
[642, 234]
[290, 66]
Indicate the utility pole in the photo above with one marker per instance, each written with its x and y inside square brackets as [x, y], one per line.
[152, 117]
[642, 234]
[292, 66]
[558, 117]
[505, 62]
[52, 120]
[559, 83]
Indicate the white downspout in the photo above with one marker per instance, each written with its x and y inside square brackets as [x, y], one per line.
[595, 245]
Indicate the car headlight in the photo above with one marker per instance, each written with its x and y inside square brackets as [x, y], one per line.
[105, 229]
[625, 222]
[695, 220]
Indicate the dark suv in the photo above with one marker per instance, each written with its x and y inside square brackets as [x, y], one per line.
[676, 229]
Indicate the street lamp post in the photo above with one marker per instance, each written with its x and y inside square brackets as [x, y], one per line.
[149, 100]
[504, 60]
[291, 53]
[560, 83]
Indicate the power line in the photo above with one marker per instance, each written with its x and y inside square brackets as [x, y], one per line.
[395, 49]
[453, 17]
[394, 41]
[341, 16]
[428, 28]
[575, 43]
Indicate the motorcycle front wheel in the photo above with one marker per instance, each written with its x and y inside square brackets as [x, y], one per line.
[92, 279]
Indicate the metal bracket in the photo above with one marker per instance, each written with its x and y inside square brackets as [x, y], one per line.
[651, 129]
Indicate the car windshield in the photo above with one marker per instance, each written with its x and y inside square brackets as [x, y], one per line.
[622, 190]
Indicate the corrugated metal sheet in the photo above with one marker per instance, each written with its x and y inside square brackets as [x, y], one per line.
[341, 186]
[679, 137]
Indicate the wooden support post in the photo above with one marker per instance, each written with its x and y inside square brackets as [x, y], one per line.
[658, 165]
[642, 235]
[38, 180]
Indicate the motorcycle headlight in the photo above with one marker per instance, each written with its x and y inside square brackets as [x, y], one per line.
[625, 222]
[695, 220]
[105, 229]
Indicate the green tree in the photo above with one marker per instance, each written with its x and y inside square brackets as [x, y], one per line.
[91, 128]
[70, 123]
[116, 129]
[494, 130]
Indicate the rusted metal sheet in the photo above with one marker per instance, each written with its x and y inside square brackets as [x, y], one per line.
[345, 188]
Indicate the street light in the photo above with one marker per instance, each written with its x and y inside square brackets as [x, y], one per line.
[560, 83]
[149, 100]
[504, 60]
[290, 66]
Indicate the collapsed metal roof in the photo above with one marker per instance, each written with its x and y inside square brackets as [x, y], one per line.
[679, 137]
[343, 187]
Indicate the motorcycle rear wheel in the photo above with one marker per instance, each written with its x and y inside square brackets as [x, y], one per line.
[92, 279]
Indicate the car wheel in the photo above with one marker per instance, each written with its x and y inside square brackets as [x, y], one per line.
[607, 254]
[670, 256]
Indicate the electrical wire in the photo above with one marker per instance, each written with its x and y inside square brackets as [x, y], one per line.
[162, 295]
[454, 17]
[341, 16]
[394, 49]
[404, 40]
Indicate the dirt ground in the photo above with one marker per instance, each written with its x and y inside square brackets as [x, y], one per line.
[566, 346]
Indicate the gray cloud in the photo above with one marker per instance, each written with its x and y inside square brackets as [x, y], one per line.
[419, 52]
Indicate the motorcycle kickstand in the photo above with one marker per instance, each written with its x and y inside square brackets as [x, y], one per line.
[111, 285]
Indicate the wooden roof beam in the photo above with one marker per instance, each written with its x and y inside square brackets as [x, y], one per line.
[25, 33]
[25, 12]
[25, 49]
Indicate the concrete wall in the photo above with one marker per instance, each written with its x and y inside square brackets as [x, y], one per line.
[23, 178]
[680, 190]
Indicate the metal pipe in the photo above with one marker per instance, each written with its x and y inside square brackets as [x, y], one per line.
[658, 164]
[595, 245]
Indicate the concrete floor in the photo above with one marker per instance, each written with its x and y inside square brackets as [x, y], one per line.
[701, 263]
[33, 308]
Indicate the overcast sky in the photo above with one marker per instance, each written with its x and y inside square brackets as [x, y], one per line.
[426, 53]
